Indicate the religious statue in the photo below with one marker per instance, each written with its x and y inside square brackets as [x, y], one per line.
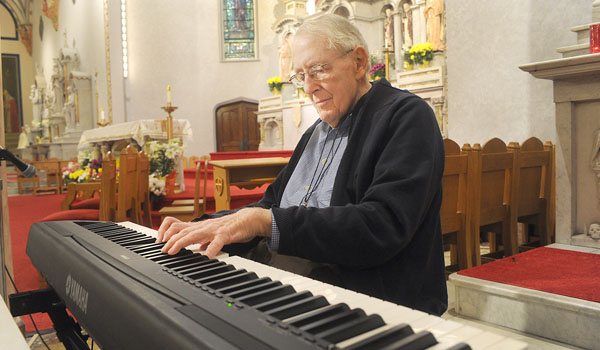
[433, 15]
[69, 109]
[285, 58]
[56, 89]
[23, 139]
[407, 26]
[388, 28]
[36, 102]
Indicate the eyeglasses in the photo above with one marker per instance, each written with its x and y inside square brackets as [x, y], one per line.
[317, 72]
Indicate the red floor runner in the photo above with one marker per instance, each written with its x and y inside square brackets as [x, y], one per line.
[558, 271]
[24, 211]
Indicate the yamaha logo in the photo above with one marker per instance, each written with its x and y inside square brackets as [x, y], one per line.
[76, 293]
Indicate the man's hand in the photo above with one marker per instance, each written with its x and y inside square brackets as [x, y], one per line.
[213, 234]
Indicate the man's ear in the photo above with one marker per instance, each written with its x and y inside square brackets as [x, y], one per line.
[361, 61]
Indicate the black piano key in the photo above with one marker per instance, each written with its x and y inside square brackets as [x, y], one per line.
[318, 314]
[232, 280]
[137, 238]
[115, 232]
[209, 272]
[283, 300]
[124, 237]
[379, 340]
[146, 247]
[332, 321]
[162, 256]
[221, 276]
[239, 286]
[174, 258]
[268, 294]
[256, 288]
[299, 307]
[186, 261]
[352, 328]
[418, 341]
[137, 242]
[459, 346]
[206, 264]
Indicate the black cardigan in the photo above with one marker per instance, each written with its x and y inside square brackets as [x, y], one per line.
[382, 229]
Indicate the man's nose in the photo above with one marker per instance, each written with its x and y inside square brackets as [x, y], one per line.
[310, 85]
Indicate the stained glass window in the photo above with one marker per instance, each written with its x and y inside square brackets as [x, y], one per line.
[239, 29]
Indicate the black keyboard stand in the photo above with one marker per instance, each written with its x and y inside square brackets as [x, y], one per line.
[47, 301]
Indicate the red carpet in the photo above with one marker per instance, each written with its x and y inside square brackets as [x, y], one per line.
[558, 271]
[24, 211]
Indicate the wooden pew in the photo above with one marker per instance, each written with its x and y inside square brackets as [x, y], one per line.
[454, 215]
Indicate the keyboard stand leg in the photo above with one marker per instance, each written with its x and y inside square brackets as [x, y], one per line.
[47, 301]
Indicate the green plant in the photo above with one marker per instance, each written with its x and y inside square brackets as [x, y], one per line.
[163, 156]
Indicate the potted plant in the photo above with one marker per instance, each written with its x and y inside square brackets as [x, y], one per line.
[377, 71]
[163, 158]
[275, 85]
[422, 54]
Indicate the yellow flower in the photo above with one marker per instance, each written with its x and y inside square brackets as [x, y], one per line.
[412, 57]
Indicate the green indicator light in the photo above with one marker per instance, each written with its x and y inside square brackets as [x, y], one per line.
[228, 304]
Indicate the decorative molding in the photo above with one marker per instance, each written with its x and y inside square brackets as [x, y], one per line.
[565, 68]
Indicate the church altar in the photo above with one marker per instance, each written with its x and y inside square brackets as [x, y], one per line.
[118, 136]
[115, 137]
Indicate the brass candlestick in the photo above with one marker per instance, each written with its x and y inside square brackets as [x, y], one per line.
[169, 109]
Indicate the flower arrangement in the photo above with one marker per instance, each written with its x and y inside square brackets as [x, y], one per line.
[75, 172]
[420, 53]
[163, 156]
[275, 83]
[377, 71]
[157, 186]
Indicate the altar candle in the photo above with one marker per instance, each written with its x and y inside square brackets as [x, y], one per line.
[102, 114]
[169, 95]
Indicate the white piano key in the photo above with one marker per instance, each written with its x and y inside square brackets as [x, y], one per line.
[508, 344]
[484, 340]
[361, 337]
[441, 328]
[424, 323]
[462, 334]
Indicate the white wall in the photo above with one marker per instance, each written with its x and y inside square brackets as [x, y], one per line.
[178, 43]
[487, 40]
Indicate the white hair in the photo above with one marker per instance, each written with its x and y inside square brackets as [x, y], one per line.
[337, 30]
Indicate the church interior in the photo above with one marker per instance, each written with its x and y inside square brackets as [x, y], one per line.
[192, 101]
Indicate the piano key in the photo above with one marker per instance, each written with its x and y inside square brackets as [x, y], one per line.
[267, 294]
[417, 341]
[380, 339]
[318, 314]
[198, 275]
[174, 259]
[231, 280]
[252, 289]
[299, 307]
[283, 300]
[199, 266]
[163, 256]
[185, 261]
[137, 242]
[146, 247]
[220, 276]
[352, 328]
[236, 287]
[508, 343]
[331, 321]
[484, 340]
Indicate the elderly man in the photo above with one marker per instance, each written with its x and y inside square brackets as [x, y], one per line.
[358, 204]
